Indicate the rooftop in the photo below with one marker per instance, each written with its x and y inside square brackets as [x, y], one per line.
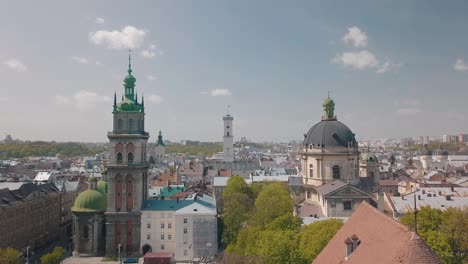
[382, 240]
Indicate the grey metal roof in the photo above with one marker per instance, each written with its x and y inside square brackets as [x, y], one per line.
[330, 133]
[330, 187]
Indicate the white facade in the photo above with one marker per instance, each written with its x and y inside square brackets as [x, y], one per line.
[228, 139]
[196, 233]
[158, 230]
[185, 228]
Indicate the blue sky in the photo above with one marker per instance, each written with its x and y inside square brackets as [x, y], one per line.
[394, 68]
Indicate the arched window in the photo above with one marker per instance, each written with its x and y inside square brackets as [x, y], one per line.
[228, 134]
[371, 174]
[336, 172]
[86, 232]
[130, 157]
[130, 125]
[119, 157]
[311, 170]
[119, 124]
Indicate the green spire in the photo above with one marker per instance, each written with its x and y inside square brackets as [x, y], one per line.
[129, 81]
[328, 109]
[160, 139]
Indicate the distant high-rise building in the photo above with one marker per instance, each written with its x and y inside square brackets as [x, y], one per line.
[449, 138]
[463, 138]
[228, 139]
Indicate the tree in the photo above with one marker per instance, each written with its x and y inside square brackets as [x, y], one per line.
[445, 232]
[278, 246]
[273, 201]
[54, 257]
[236, 184]
[237, 205]
[286, 222]
[315, 237]
[10, 256]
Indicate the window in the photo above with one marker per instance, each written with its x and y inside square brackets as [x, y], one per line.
[148, 225]
[86, 232]
[185, 220]
[228, 134]
[185, 230]
[119, 157]
[119, 124]
[336, 172]
[130, 157]
[162, 246]
[162, 225]
[130, 125]
[148, 237]
[311, 170]
[185, 252]
[347, 205]
[162, 237]
[185, 242]
[169, 237]
[169, 226]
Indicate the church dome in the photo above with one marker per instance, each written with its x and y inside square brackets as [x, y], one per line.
[90, 201]
[330, 133]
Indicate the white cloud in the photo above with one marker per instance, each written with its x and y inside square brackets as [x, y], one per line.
[82, 100]
[356, 37]
[61, 100]
[16, 65]
[127, 38]
[150, 77]
[98, 63]
[99, 20]
[388, 66]
[460, 65]
[81, 60]
[220, 92]
[358, 60]
[155, 99]
[151, 51]
[409, 111]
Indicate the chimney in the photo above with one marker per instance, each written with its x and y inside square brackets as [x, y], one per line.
[349, 247]
[419, 197]
[356, 241]
[452, 188]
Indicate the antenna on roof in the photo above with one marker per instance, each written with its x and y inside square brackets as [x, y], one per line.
[415, 214]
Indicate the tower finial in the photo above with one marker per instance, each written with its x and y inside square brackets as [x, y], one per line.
[228, 107]
[129, 60]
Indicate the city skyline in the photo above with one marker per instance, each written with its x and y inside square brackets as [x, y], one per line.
[393, 72]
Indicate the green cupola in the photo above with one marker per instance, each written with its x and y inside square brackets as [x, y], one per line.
[90, 200]
[129, 101]
[129, 82]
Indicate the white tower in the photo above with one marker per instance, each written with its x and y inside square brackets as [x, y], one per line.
[228, 139]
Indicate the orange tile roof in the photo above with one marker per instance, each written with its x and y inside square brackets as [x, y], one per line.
[383, 240]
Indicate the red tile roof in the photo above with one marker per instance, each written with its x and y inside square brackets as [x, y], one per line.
[382, 240]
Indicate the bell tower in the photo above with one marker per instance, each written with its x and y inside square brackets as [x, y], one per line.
[228, 138]
[127, 172]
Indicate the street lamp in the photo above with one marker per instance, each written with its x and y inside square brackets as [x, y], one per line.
[119, 245]
[27, 254]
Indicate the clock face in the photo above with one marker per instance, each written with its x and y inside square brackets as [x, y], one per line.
[227, 127]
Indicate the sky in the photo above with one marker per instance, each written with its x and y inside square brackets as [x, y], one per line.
[394, 68]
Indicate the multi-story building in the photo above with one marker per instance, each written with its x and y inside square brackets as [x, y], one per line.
[30, 215]
[185, 228]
